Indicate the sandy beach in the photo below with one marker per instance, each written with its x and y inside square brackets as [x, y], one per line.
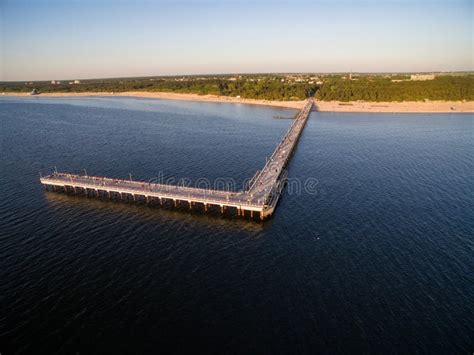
[407, 106]
[323, 106]
[174, 96]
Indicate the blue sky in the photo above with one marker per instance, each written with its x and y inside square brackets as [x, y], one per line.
[88, 39]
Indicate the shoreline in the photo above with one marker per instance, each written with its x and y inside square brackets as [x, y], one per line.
[397, 107]
[322, 106]
[172, 96]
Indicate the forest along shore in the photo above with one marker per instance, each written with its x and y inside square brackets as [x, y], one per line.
[323, 106]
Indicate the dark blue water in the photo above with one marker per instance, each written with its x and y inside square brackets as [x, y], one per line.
[379, 259]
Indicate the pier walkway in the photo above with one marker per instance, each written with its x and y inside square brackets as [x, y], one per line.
[260, 197]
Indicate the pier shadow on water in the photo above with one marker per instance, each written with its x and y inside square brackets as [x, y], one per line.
[65, 203]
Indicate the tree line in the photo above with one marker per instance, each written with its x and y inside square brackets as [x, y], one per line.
[445, 87]
[276, 87]
[268, 88]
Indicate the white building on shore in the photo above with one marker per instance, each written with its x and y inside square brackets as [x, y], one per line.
[422, 77]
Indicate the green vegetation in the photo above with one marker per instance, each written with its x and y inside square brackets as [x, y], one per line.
[382, 88]
[285, 87]
[267, 87]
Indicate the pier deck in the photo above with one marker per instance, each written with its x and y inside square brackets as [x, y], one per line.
[261, 195]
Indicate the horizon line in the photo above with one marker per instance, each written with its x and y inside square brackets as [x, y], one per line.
[247, 73]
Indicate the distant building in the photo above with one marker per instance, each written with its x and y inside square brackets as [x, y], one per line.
[422, 77]
[55, 82]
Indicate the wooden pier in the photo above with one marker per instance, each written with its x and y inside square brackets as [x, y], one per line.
[260, 197]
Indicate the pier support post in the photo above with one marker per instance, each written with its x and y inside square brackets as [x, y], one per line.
[175, 204]
[222, 209]
[251, 214]
[205, 207]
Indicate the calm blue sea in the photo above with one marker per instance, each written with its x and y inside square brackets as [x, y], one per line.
[378, 258]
